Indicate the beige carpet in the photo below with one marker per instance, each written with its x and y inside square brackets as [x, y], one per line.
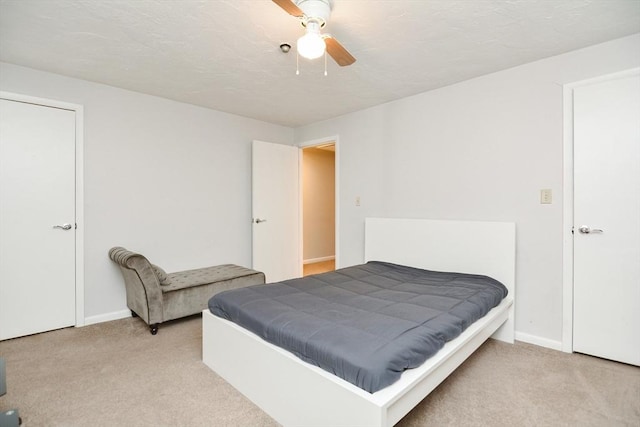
[117, 374]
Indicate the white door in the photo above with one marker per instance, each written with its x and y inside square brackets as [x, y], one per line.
[606, 319]
[37, 192]
[276, 210]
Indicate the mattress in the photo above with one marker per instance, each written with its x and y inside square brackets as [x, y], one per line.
[367, 323]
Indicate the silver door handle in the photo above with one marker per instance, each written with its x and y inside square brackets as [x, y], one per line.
[258, 220]
[63, 226]
[588, 230]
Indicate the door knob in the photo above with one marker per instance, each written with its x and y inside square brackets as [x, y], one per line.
[63, 226]
[588, 230]
[258, 220]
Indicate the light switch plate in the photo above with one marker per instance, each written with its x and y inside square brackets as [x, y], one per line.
[546, 196]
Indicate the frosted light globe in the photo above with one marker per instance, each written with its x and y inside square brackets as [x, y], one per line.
[311, 45]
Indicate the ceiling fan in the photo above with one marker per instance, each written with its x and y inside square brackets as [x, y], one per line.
[313, 15]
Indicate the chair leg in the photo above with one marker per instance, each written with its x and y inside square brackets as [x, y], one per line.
[154, 328]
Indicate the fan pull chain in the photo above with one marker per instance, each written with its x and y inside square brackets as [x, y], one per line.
[297, 63]
[325, 63]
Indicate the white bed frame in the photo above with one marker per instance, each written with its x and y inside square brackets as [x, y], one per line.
[296, 393]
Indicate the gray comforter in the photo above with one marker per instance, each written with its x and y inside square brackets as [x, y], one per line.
[367, 323]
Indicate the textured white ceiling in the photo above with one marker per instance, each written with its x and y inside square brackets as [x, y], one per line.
[224, 54]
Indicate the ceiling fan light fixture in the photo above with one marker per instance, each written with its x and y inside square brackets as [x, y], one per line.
[313, 15]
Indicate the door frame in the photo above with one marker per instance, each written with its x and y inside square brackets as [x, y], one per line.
[79, 188]
[311, 143]
[568, 199]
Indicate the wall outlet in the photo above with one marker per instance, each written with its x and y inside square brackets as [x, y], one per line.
[546, 198]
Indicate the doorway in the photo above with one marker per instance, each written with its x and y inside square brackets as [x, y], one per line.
[318, 205]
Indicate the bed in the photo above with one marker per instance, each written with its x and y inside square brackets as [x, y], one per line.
[296, 393]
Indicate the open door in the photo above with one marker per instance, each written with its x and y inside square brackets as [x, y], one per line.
[276, 211]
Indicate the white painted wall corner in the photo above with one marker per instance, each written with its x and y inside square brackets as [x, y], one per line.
[106, 317]
[536, 340]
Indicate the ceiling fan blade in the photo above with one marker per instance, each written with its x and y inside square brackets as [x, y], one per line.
[290, 7]
[338, 52]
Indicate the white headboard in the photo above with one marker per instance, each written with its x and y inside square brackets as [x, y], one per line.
[476, 247]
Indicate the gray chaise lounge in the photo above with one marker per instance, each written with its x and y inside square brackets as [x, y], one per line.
[157, 297]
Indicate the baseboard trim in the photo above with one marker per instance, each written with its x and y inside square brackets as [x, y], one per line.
[321, 259]
[536, 340]
[115, 315]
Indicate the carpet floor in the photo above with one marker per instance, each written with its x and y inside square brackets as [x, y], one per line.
[117, 374]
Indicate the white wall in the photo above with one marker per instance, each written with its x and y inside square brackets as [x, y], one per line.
[480, 150]
[167, 179]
